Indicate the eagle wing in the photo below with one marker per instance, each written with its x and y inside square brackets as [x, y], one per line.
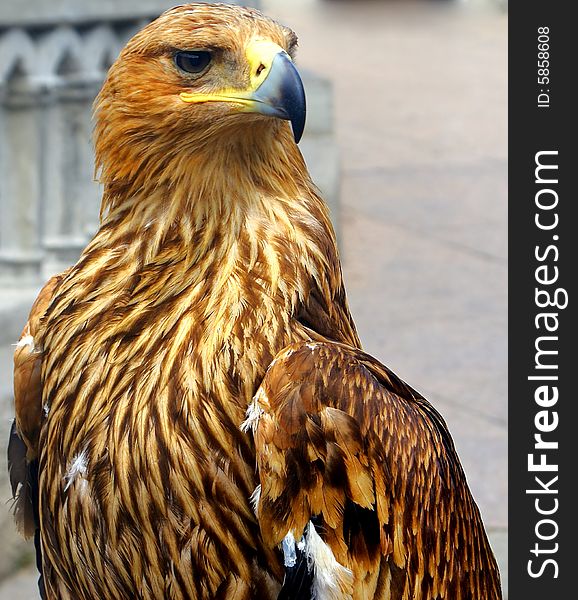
[25, 431]
[360, 479]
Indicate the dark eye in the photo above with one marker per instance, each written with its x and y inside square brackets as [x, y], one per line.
[193, 61]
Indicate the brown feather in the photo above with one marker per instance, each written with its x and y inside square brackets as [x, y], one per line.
[23, 441]
[214, 253]
[397, 499]
[27, 364]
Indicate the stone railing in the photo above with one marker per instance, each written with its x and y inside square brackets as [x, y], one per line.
[51, 67]
[48, 199]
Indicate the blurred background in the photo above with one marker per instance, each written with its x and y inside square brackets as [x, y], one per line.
[407, 139]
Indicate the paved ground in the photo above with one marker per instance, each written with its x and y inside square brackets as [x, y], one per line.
[420, 116]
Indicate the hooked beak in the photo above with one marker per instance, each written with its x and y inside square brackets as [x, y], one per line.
[282, 95]
[275, 89]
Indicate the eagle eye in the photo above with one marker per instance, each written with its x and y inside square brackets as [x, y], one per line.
[193, 61]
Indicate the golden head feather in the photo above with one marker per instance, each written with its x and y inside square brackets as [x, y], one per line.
[148, 136]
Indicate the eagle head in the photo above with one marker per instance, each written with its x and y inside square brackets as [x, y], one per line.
[200, 75]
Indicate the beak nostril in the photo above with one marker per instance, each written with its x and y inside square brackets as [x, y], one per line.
[260, 69]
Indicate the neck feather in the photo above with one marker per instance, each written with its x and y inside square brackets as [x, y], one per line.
[241, 203]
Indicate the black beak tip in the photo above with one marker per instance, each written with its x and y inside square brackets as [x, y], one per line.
[298, 122]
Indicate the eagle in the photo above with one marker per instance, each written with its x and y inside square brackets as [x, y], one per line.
[194, 415]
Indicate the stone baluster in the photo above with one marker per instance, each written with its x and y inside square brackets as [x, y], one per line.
[49, 201]
[53, 60]
[22, 129]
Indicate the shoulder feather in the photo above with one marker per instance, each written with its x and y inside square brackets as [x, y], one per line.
[341, 439]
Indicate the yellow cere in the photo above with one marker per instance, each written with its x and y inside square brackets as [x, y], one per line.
[260, 52]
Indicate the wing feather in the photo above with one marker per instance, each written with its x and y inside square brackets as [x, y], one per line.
[342, 440]
[23, 441]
